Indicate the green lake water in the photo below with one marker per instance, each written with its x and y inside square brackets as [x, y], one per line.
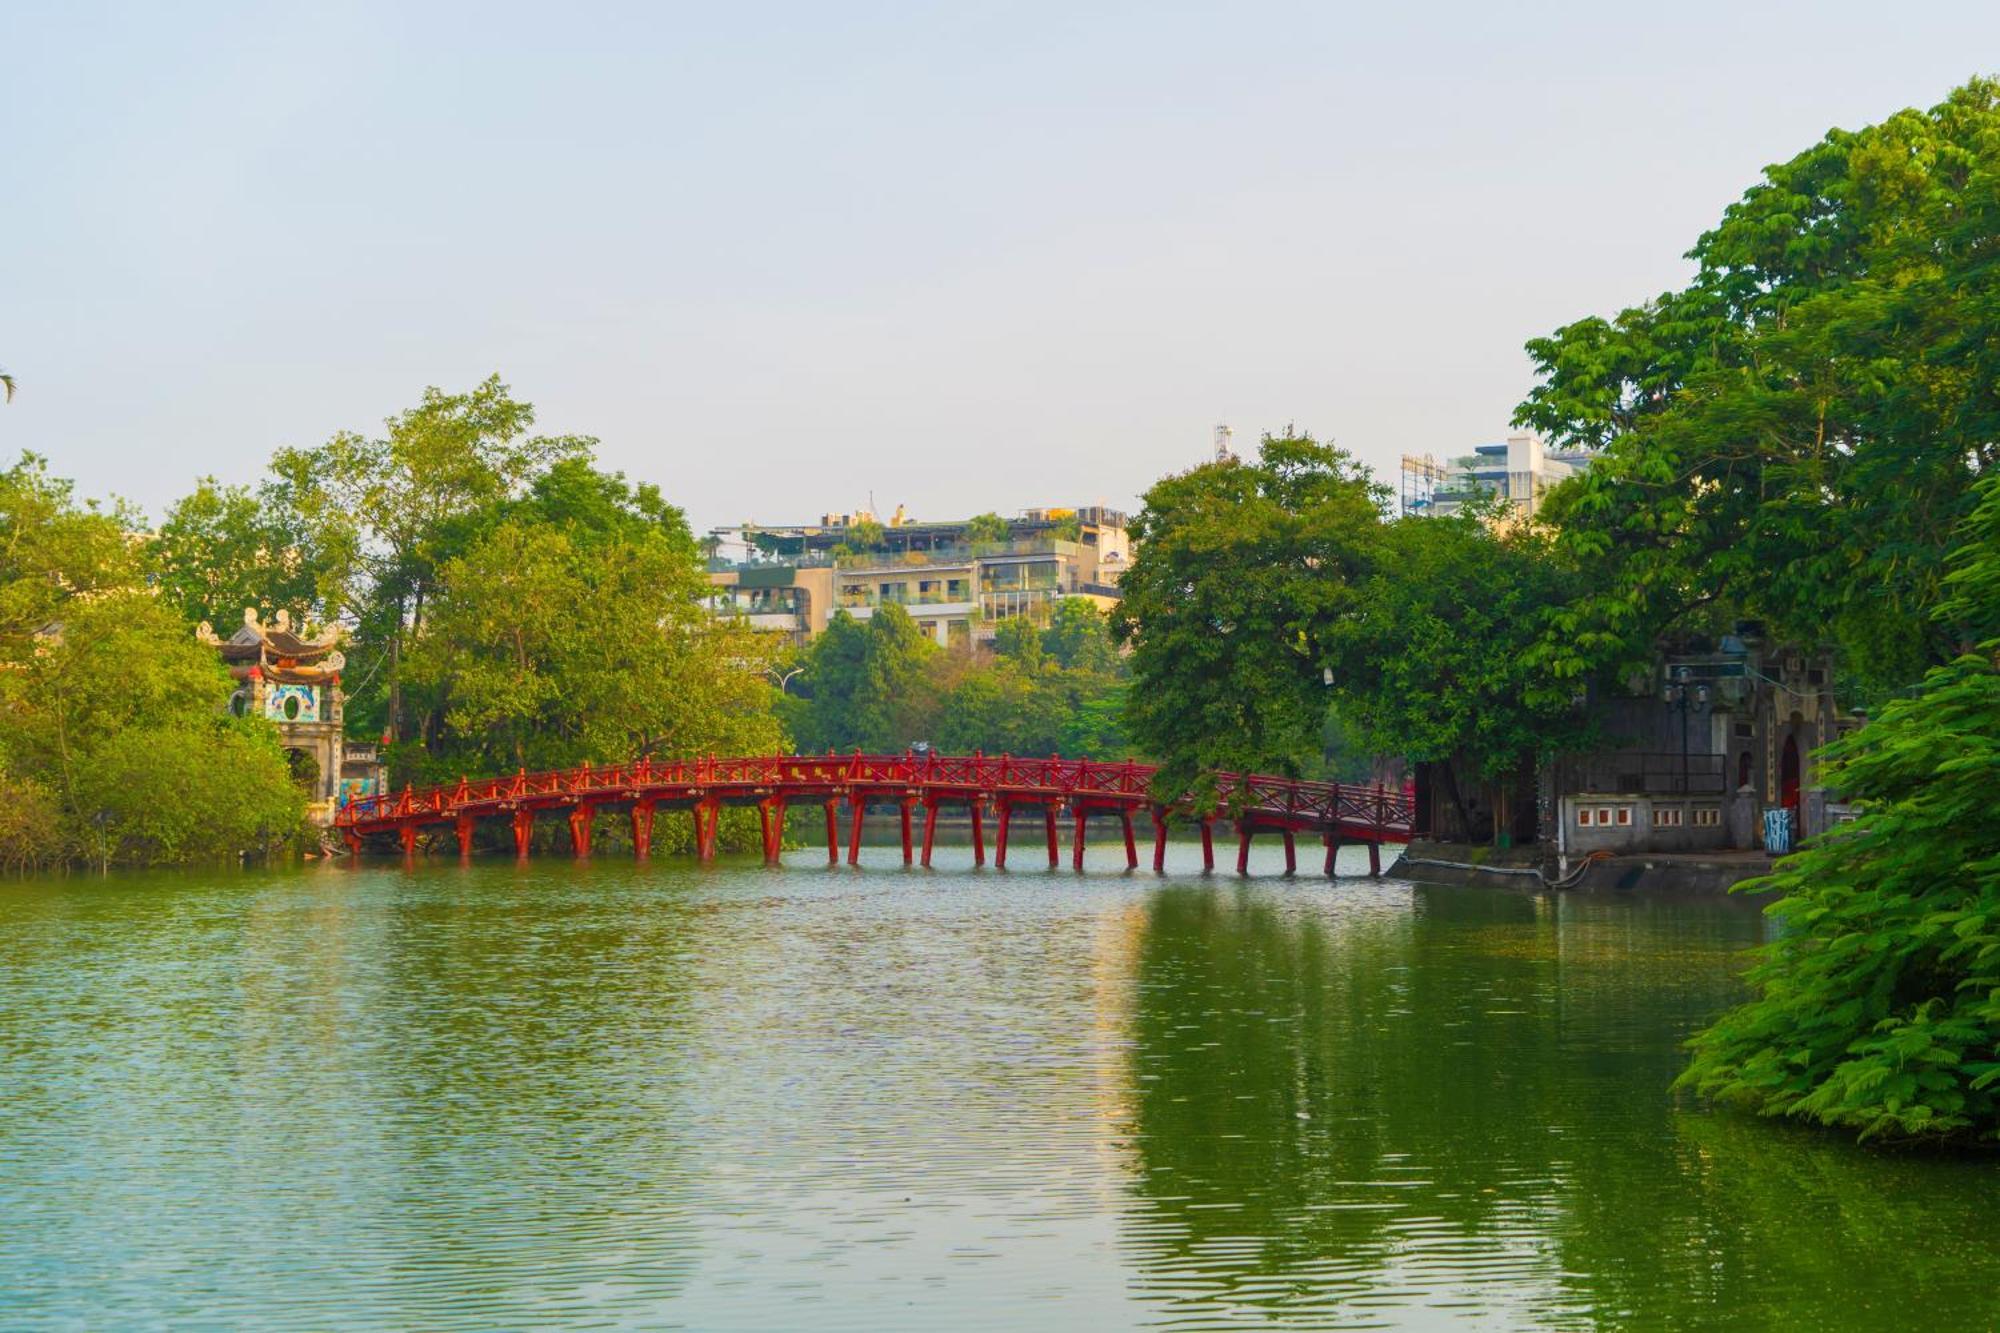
[610, 1095]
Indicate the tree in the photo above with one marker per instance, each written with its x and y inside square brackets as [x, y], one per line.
[1434, 660]
[1241, 568]
[866, 535]
[222, 549]
[1016, 639]
[7, 385]
[405, 503]
[1078, 637]
[1794, 436]
[115, 716]
[1877, 1007]
[1000, 709]
[53, 551]
[988, 529]
[577, 629]
[868, 685]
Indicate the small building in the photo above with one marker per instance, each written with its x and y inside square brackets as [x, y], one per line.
[293, 681]
[1695, 757]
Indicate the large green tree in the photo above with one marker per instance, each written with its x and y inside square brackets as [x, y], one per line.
[222, 549]
[1795, 433]
[403, 504]
[549, 644]
[1435, 659]
[1241, 567]
[868, 685]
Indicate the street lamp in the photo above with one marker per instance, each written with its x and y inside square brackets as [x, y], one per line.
[783, 680]
[1679, 692]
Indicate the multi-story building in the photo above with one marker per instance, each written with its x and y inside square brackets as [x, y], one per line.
[1521, 472]
[957, 580]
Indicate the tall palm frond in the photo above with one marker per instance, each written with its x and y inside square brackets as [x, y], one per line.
[6, 385]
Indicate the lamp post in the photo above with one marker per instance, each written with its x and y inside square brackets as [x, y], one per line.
[1681, 693]
[784, 680]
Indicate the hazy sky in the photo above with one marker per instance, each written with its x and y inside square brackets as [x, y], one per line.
[962, 256]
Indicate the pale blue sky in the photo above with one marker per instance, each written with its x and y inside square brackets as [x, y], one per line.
[779, 256]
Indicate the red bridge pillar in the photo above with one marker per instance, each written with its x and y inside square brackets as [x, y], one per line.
[1207, 846]
[930, 828]
[1374, 858]
[1004, 813]
[642, 829]
[408, 834]
[1076, 842]
[771, 817]
[1131, 848]
[1332, 852]
[707, 813]
[1291, 854]
[524, 831]
[903, 812]
[857, 811]
[579, 828]
[1242, 847]
[833, 833]
[978, 830]
[463, 827]
[1055, 843]
[1159, 842]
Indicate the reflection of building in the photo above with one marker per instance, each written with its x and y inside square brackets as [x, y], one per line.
[955, 579]
[1520, 471]
[293, 682]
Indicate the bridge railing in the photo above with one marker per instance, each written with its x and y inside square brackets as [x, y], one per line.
[1291, 800]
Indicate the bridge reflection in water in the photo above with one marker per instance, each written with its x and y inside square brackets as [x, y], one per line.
[1079, 789]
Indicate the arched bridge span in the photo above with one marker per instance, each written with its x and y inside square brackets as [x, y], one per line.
[1079, 789]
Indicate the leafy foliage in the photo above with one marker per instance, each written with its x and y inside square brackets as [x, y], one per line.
[1878, 1009]
[222, 549]
[554, 643]
[881, 685]
[1435, 660]
[987, 529]
[113, 727]
[1795, 435]
[868, 684]
[1241, 567]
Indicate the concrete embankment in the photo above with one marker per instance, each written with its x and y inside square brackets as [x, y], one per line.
[1531, 868]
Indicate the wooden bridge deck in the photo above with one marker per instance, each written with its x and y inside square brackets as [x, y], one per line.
[1336, 813]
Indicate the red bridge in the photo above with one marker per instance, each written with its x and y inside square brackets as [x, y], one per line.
[1336, 813]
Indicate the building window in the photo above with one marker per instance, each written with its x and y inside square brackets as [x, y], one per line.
[1667, 816]
[1603, 814]
[1707, 816]
[1583, 816]
[1624, 815]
